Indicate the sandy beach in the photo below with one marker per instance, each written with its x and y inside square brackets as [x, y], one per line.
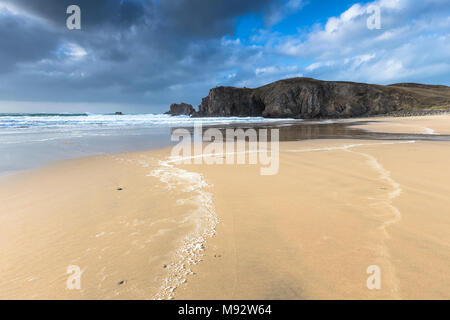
[432, 124]
[140, 227]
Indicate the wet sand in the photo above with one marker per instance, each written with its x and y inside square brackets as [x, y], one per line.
[184, 231]
[312, 231]
[107, 216]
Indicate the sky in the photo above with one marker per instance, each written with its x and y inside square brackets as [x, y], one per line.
[139, 56]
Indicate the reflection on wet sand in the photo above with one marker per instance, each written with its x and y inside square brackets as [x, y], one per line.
[312, 130]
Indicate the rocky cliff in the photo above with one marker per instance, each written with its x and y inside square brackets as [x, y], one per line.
[181, 109]
[309, 98]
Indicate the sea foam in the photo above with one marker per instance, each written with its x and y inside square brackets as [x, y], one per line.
[203, 216]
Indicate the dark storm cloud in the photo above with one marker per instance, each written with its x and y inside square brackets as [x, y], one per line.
[95, 12]
[200, 18]
[197, 18]
[127, 50]
[23, 40]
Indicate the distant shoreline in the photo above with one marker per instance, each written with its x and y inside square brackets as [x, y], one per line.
[396, 114]
[410, 113]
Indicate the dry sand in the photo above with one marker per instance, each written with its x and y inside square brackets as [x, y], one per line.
[311, 231]
[432, 124]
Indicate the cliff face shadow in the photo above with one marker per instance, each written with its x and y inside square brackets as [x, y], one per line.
[311, 130]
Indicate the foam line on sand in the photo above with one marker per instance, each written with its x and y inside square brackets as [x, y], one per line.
[395, 192]
[205, 219]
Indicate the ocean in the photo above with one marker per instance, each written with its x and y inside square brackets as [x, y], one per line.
[32, 140]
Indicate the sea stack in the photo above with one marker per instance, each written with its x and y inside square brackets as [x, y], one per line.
[181, 109]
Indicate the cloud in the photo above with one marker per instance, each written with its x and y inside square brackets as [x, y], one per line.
[206, 19]
[133, 51]
[279, 11]
[22, 40]
[345, 48]
[95, 13]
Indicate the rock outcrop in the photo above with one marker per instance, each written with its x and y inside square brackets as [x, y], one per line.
[181, 109]
[309, 98]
